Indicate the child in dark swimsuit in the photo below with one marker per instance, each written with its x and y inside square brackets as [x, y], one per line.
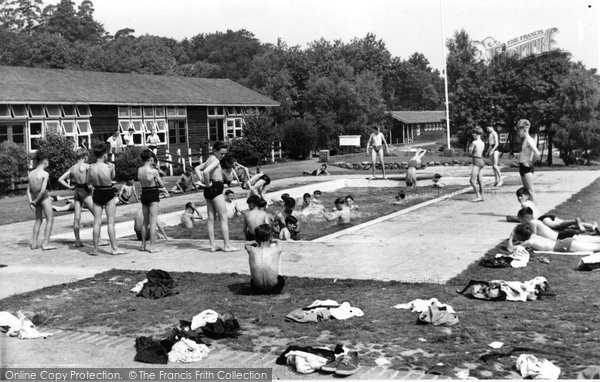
[210, 173]
[151, 181]
[40, 202]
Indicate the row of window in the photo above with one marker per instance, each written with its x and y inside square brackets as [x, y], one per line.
[222, 129]
[231, 111]
[20, 111]
[152, 111]
[19, 132]
[434, 127]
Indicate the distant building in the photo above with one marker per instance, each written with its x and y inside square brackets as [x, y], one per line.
[417, 126]
[185, 111]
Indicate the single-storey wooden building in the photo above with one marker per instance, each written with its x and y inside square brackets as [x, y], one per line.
[185, 111]
[417, 126]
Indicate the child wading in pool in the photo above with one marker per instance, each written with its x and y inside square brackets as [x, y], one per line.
[264, 258]
[40, 202]
[290, 229]
[341, 212]
[82, 192]
[104, 196]
[211, 175]
[529, 154]
[255, 217]
[150, 198]
[190, 214]
[375, 143]
[476, 152]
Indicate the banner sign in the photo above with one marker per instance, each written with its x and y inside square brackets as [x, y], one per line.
[537, 42]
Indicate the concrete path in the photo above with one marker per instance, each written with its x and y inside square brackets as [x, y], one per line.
[430, 244]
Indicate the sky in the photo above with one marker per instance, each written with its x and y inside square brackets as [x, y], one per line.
[406, 26]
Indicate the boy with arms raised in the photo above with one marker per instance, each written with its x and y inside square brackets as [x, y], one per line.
[40, 202]
[83, 194]
[100, 176]
[150, 181]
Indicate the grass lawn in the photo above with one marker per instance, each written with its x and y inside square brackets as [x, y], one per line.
[562, 328]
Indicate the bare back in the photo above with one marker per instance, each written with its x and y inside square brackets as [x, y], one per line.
[148, 176]
[543, 230]
[255, 218]
[101, 174]
[79, 172]
[264, 264]
[477, 149]
[36, 181]
[493, 138]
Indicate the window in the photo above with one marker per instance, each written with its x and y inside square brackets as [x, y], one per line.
[124, 112]
[150, 125]
[52, 111]
[84, 127]
[137, 126]
[231, 111]
[211, 110]
[84, 111]
[220, 110]
[212, 130]
[68, 111]
[54, 126]
[171, 111]
[233, 127]
[12, 132]
[177, 132]
[181, 111]
[4, 133]
[148, 112]
[124, 125]
[19, 111]
[136, 112]
[161, 125]
[159, 112]
[36, 111]
[4, 112]
[35, 132]
[69, 127]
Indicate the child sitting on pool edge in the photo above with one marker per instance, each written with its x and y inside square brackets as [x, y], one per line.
[264, 258]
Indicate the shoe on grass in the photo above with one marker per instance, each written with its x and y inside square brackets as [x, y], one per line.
[348, 364]
[331, 366]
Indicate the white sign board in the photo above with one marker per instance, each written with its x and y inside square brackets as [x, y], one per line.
[350, 140]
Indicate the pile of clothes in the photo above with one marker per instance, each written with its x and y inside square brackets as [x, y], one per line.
[519, 258]
[158, 283]
[589, 263]
[531, 367]
[185, 343]
[322, 310]
[431, 312]
[500, 290]
[308, 359]
[20, 327]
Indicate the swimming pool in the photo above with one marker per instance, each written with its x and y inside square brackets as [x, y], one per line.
[373, 203]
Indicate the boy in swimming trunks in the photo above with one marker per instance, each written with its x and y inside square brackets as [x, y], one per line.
[320, 172]
[259, 183]
[476, 152]
[413, 164]
[317, 197]
[99, 177]
[288, 210]
[525, 215]
[183, 183]
[255, 217]
[578, 243]
[264, 258]
[150, 181]
[83, 193]
[190, 214]
[375, 144]
[40, 202]
[290, 229]
[493, 143]
[138, 227]
[528, 156]
[211, 174]
[126, 192]
[341, 212]
[232, 209]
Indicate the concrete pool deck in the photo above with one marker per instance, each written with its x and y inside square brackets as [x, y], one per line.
[417, 246]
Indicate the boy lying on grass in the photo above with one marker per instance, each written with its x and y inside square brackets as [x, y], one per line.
[525, 216]
[578, 243]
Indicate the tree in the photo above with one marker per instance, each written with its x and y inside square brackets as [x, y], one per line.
[299, 138]
[261, 133]
[59, 151]
[73, 25]
[20, 15]
[13, 163]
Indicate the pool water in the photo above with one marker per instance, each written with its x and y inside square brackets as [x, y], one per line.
[373, 203]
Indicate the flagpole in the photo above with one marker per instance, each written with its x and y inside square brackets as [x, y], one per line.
[445, 76]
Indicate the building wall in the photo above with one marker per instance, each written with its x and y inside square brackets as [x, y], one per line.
[104, 121]
[197, 127]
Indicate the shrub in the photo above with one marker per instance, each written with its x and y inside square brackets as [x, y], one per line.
[260, 132]
[127, 163]
[60, 152]
[243, 152]
[299, 138]
[13, 163]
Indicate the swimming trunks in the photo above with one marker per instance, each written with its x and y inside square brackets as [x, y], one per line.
[551, 217]
[266, 179]
[215, 189]
[275, 289]
[152, 147]
[377, 148]
[524, 169]
[568, 233]
[138, 234]
[149, 195]
[183, 186]
[103, 194]
[82, 191]
[563, 245]
[478, 162]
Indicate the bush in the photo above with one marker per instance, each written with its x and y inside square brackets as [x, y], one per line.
[243, 152]
[13, 163]
[127, 163]
[260, 132]
[60, 152]
[299, 138]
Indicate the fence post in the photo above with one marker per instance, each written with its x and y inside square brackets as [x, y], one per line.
[190, 156]
[112, 157]
[201, 155]
[272, 153]
[280, 153]
[169, 162]
[180, 159]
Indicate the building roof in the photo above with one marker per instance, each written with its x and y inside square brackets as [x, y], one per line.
[37, 85]
[410, 117]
